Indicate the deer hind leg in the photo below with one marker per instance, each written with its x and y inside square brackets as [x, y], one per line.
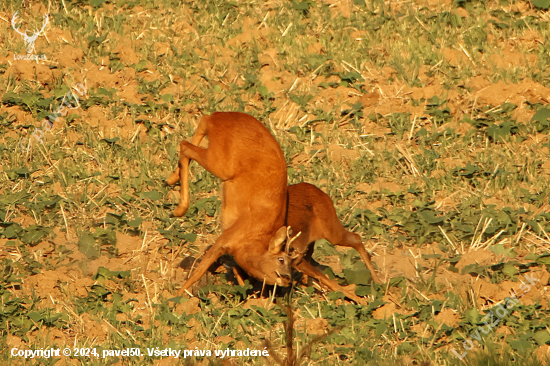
[182, 172]
[352, 240]
[308, 269]
[332, 230]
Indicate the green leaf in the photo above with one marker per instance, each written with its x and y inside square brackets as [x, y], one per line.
[11, 98]
[349, 311]
[314, 61]
[96, 3]
[431, 256]
[509, 270]
[100, 290]
[499, 249]
[520, 345]
[543, 259]
[15, 173]
[374, 305]
[264, 92]
[542, 337]
[430, 218]
[35, 316]
[70, 118]
[102, 273]
[168, 98]
[96, 41]
[34, 235]
[105, 273]
[357, 277]
[152, 195]
[351, 76]
[122, 274]
[135, 223]
[336, 295]
[105, 236]
[170, 318]
[531, 256]
[189, 237]
[115, 219]
[302, 6]
[111, 141]
[405, 348]
[472, 316]
[474, 269]
[12, 230]
[86, 245]
[359, 290]
[380, 329]
[541, 4]
[14, 198]
[469, 170]
[140, 66]
[541, 119]
[397, 282]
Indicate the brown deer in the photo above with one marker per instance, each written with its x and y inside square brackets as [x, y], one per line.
[312, 214]
[250, 162]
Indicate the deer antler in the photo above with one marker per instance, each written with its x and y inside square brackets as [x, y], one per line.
[14, 21]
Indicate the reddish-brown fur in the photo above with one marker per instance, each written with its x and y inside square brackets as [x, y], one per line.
[249, 161]
[311, 212]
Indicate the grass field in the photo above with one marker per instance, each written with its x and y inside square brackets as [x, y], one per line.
[425, 121]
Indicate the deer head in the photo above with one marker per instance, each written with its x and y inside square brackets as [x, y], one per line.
[272, 266]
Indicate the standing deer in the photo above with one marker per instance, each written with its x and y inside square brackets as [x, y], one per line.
[312, 214]
[250, 162]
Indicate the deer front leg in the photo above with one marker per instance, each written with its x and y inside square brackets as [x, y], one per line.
[307, 268]
[210, 256]
[231, 236]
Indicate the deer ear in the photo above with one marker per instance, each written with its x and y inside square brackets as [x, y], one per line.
[277, 241]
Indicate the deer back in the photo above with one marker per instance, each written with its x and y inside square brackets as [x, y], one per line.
[312, 212]
[244, 154]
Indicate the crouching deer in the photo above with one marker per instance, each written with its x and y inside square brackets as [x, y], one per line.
[312, 214]
[250, 163]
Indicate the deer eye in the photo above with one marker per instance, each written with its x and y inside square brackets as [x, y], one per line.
[281, 260]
